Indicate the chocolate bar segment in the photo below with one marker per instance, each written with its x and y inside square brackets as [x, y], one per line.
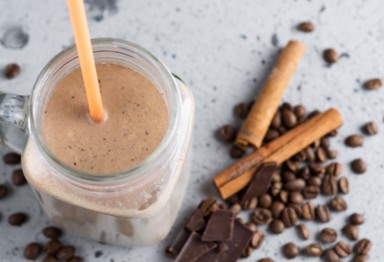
[194, 248]
[174, 249]
[219, 226]
[196, 221]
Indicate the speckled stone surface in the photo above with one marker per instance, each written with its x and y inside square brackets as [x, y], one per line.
[223, 50]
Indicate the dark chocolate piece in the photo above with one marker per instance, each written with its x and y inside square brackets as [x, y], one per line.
[196, 221]
[260, 182]
[219, 226]
[194, 248]
[174, 249]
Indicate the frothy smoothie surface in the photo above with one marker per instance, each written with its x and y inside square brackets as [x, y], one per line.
[137, 121]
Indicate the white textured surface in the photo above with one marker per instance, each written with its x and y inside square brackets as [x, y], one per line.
[223, 50]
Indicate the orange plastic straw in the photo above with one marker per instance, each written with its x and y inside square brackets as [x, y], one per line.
[87, 62]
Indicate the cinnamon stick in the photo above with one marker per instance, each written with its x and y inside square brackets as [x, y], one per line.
[261, 114]
[238, 175]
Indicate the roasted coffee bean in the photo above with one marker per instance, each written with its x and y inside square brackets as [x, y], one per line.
[276, 121]
[370, 128]
[373, 84]
[322, 213]
[304, 173]
[277, 208]
[308, 211]
[311, 192]
[3, 191]
[250, 204]
[342, 249]
[235, 208]
[282, 130]
[236, 152]
[257, 239]
[354, 141]
[334, 169]
[208, 205]
[52, 247]
[17, 219]
[303, 231]
[11, 71]
[66, 252]
[241, 110]
[227, 133]
[49, 258]
[299, 111]
[331, 154]
[330, 55]
[12, 158]
[332, 133]
[289, 217]
[351, 232]
[306, 27]
[262, 216]
[32, 251]
[287, 106]
[52, 232]
[251, 226]
[360, 258]
[265, 201]
[316, 144]
[328, 235]
[363, 246]
[266, 260]
[295, 197]
[314, 181]
[356, 219]
[75, 259]
[331, 256]
[18, 178]
[310, 155]
[276, 188]
[247, 252]
[276, 177]
[329, 186]
[297, 208]
[288, 118]
[276, 226]
[295, 185]
[321, 155]
[338, 204]
[292, 165]
[314, 250]
[283, 196]
[343, 185]
[325, 142]
[300, 157]
[271, 135]
[358, 166]
[316, 169]
[290, 250]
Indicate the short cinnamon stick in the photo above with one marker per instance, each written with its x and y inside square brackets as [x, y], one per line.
[238, 175]
[260, 116]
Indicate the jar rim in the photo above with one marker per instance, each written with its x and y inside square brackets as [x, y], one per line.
[122, 177]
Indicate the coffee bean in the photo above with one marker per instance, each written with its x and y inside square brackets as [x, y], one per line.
[276, 226]
[329, 186]
[11, 71]
[271, 135]
[303, 231]
[334, 169]
[331, 256]
[235, 208]
[286, 106]
[295, 185]
[283, 196]
[262, 216]
[18, 178]
[356, 219]
[306, 27]
[338, 204]
[314, 181]
[370, 128]
[311, 192]
[322, 214]
[289, 217]
[276, 188]
[308, 211]
[12, 158]
[17, 219]
[296, 197]
[208, 205]
[316, 169]
[288, 118]
[32, 251]
[250, 204]
[52, 247]
[300, 157]
[277, 208]
[358, 166]
[373, 84]
[227, 133]
[321, 155]
[265, 201]
[75, 259]
[257, 239]
[276, 177]
[342, 249]
[236, 152]
[266, 260]
[66, 252]
[52, 232]
[299, 112]
[325, 142]
[292, 165]
[354, 141]
[314, 250]
[3, 191]
[363, 246]
[351, 232]
[343, 185]
[241, 110]
[331, 154]
[297, 208]
[330, 55]
[304, 173]
[290, 250]
[276, 121]
[50, 258]
[360, 258]
[251, 226]
[328, 235]
[310, 155]
[332, 133]
[247, 252]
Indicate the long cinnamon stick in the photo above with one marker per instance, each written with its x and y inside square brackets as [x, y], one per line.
[259, 118]
[238, 175]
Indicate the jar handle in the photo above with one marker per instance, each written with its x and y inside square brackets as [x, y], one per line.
[13, 120]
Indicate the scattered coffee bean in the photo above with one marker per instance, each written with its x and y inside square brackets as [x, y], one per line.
[322, 213]
[271, 135]
[235, 208]
[343, 185]
[360, 258]
[314, 250]
[250, 204]
[289, 217]
[288, 176]
[306, 27]
[304, 173]
[354, 141]
[292, 165]
[276, 177]
[3, 191]
[227, 133]
[373, 84]
[247, 252]
[317, 169]
[310, 155]
[297, 208]
[314, 181]
[257, 239]
[370, 128]
[325, 142]
[303, 231]
[266, 260]
[334, 169]
[283, 196]
[308, 211]
[17, 219]
[208, 205]
[277, 208]
[290, 250]
[358, 166]
[295, 197]
[262, 216]
[276, 188]
[236, 152]
[295, 185]
[241, 110]
[32, 251]
[265, 201]
[363, 246]
[288, 118]
[251, 226]
[50, 258]
[342, 249]
[351, 232]
[331, 256]
[338, 204]
[52, 247]
[331, 154]
[329, 186]
[299, 111]
[66, 252]
[12, 158]
[75, 259]
[328, 235]
[18, 178]
[330, 55]
[276, 121]
[311, 192]
[321, 155]
[356, 219]
[276, 226]
[11, 71]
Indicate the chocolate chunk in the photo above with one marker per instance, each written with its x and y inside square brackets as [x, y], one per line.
[196, 221]
[194, 248]
[175, 247]
[208, 205]
[260, 182]
[219, 226]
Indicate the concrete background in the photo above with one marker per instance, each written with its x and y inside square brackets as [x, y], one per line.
[223, 50]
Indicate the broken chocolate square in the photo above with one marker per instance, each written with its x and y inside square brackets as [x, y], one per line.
[219, 226]
[175, 247]
[194, 248]
[196, 221]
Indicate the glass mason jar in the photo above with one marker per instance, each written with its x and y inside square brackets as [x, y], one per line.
[134, 207]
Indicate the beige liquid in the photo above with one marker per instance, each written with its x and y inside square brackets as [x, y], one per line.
[136, 123]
